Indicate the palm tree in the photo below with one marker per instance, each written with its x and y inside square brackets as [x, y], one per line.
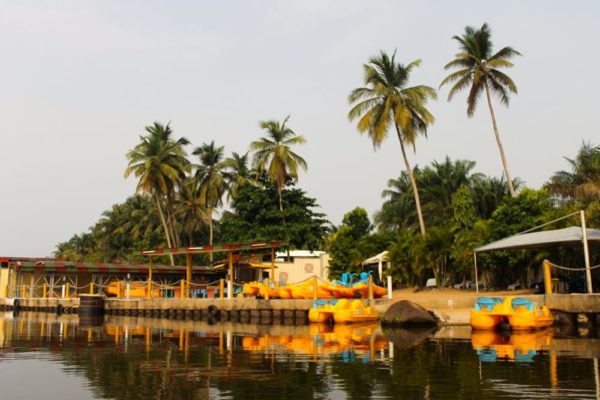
[190, 208]
[582, 184]
[386, 100]
[478, 69]
[159, 162]
[237, 174]
[211, 180]
[274, 157]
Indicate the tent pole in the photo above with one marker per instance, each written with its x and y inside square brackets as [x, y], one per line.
[586, 254]
[476, 280]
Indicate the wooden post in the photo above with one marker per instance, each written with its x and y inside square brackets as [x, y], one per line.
[370, 289]
[182, 288]
[221, 288]
[44, 291]
[23, 291]
[149, 294]
[273, 264]
[92, 285]
[118, 289]
[230, 288]
[314, 287]
[547, 277]
[267, 289]
[67, 294]
[188, 273]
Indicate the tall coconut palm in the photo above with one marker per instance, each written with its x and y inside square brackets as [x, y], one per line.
[237, 173]
[478, 70]
[273, 154]
[211, 180]
[387, 101]
[159, 162]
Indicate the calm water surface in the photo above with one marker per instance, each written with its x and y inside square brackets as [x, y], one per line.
[47, 357]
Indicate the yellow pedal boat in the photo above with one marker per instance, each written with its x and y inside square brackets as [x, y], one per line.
[348, 312]
[520, 313]
[527, 316]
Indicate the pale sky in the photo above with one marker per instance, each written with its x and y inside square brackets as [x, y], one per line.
[79, 80]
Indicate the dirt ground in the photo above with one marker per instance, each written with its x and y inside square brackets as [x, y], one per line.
[447, 293]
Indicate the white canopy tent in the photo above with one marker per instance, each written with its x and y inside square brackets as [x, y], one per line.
[571, 236]
[379, 259]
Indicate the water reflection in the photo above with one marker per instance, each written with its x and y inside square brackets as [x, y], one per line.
[145, 358]
[492, 346]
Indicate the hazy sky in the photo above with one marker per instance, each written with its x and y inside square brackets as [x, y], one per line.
[79, 80]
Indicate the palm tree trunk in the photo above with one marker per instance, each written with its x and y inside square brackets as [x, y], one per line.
[210, 231]
[412, 181]
[511, 188]
[164, 224]
[172, 223]
[279, 194]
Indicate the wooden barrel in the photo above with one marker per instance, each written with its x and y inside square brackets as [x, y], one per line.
[90, 304]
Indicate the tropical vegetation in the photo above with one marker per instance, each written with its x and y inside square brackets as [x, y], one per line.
[431, 217]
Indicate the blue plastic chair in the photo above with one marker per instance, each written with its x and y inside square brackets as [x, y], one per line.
[520, 301]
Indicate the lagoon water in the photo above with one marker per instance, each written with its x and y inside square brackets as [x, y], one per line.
[43, 356]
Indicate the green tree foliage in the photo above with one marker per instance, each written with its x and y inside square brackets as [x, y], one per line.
[479, 70]
[256, 216]
[352, 243]
[529, 209]
[386, 101]
[119, 235]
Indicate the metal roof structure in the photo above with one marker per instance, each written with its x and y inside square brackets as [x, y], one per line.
[66, 267]
[217, 248]
[567, 236]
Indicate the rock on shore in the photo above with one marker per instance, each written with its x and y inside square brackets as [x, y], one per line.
[407, 313]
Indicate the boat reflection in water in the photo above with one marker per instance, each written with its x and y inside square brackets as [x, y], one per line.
[515, 347]
[349, 342]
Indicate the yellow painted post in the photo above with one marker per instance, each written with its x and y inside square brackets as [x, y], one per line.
[118, 289]
[221, 288]
[370, 289]
[267, 289]
[230, 262]
[24, 291]
[182, 288]
[92, 287]
[44, 291]
[315, 287]
[149, 294]
[67, 290]
[188, 273]
[547, 277]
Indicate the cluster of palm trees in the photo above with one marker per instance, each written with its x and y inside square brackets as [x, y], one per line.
[388, 101]
[182, 196]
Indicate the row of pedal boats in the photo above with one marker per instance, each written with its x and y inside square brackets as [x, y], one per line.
[518, 313]
[344, 289]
